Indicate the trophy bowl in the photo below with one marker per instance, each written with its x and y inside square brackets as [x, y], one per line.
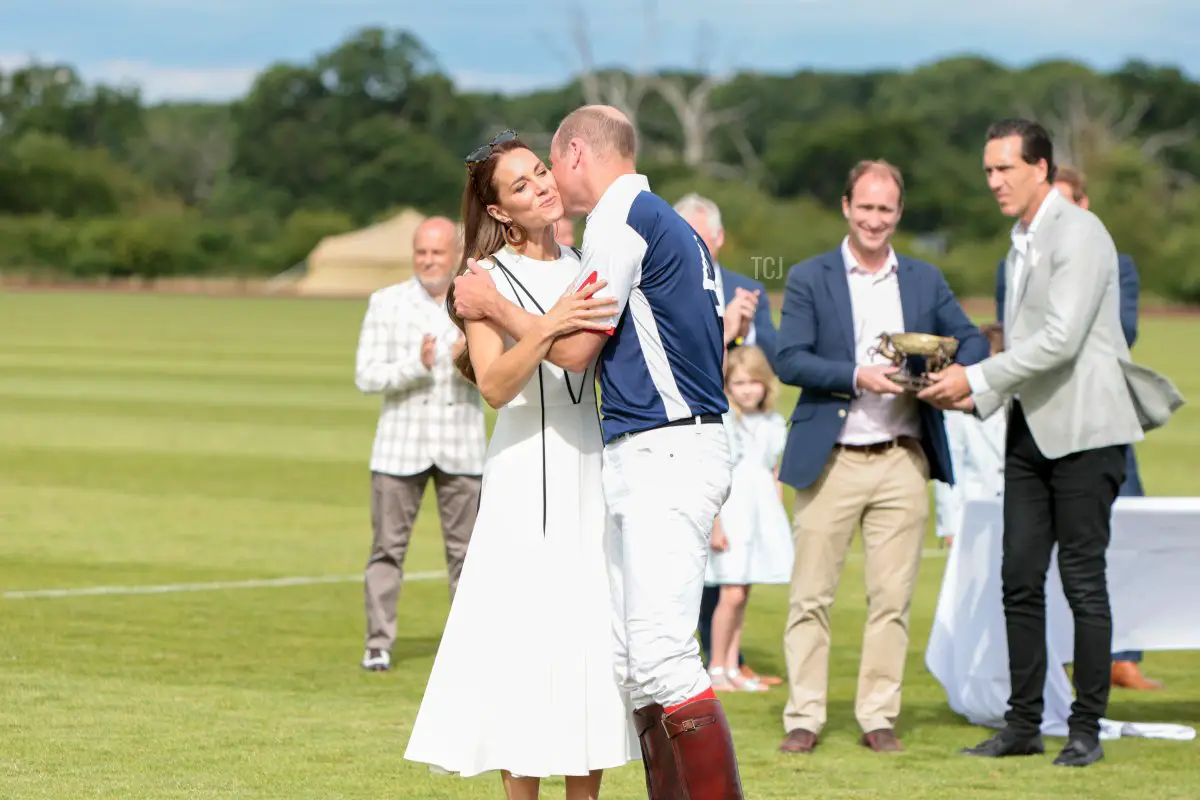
[938, 351]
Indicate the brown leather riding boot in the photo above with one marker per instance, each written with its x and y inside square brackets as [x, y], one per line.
[688, 755]
[658, 761]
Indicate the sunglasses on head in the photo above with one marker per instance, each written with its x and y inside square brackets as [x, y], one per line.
[482, 153]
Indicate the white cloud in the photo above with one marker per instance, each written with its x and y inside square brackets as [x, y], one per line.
[160, 83]
[156, 82]
[228, 41]
[505, 83]
[1099, 29]
[176, 83]
[11, 61]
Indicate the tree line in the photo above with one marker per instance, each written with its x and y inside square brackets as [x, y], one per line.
[96, 182]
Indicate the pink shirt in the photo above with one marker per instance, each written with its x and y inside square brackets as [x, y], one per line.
[875, 301]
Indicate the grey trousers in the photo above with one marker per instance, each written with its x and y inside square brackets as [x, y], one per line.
[395, 501]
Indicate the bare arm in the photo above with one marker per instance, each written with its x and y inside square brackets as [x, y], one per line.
[476, 297]
[616, 265]
[719, 542]
[500, 374]
[573, 352]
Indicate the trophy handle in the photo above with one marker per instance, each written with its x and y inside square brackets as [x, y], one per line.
[886, 349]
[940, 360]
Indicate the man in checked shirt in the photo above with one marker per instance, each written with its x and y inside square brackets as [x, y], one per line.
[431, 425]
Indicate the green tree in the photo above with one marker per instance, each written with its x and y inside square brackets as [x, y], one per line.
[52, 99]
[44, 173]
[370, 123]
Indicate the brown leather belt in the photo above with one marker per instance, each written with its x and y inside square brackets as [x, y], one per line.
[879, 447]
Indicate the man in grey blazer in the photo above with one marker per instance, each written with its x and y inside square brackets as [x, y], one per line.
[1074, 400]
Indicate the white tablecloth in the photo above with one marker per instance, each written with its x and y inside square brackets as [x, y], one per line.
[1154, 589]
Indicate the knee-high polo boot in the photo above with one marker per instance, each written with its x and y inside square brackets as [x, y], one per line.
[688, 754]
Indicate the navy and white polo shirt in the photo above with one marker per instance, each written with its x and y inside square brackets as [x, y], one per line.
[664, 360]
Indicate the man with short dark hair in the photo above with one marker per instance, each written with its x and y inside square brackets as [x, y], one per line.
[1074, 401]
[1072, 184]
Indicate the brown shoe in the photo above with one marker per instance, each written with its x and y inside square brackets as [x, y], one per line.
[882, 741]
[688, 754]
[765, 680]
[799, 741]
[1128, 675]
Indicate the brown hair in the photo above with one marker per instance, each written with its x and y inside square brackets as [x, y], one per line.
[1075, 179]
[876, 165]
[994, 333]
[483, 234]
[754, 361]
[604, 128]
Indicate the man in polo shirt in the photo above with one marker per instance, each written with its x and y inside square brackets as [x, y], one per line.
[667, 469]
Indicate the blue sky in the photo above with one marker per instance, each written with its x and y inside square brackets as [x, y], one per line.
[211, 49]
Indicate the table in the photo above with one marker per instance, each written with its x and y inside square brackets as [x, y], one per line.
[1154, 589]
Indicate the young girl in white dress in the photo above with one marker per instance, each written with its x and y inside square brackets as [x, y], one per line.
[524, 680]
[752, 541]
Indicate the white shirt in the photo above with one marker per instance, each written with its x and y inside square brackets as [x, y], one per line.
[428, 417]
[875, 301]
[1022, 241]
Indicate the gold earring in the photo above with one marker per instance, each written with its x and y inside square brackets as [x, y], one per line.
[515, 235]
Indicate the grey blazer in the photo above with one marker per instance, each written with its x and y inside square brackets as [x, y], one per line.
[1066, 353]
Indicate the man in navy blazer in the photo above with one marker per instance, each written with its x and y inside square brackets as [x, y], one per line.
[860, 451]
[748, 321]
[1072, 184]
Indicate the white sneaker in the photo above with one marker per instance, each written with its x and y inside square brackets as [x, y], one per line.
[377, 660]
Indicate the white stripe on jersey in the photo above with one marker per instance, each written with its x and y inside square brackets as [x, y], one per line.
[655, 356]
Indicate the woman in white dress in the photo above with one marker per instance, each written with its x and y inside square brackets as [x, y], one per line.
[524, 681]
[752, 541]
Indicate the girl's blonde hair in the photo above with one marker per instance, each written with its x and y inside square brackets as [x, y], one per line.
[754, 361]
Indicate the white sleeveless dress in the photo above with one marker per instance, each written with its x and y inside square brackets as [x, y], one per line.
[525, 677]
[753, 518]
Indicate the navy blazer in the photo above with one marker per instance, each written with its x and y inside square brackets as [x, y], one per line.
[764, 323]
[816, 352]
[1127, 277]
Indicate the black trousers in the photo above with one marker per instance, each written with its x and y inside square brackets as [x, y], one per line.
[1065, 501]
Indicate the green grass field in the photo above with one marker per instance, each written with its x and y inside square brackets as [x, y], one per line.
[163, 440]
